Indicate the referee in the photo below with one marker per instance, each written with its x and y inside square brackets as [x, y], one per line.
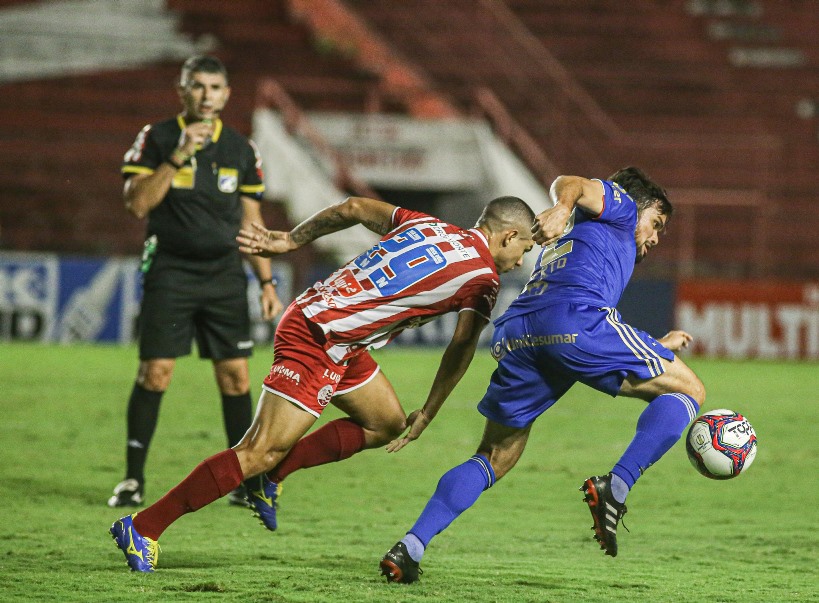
[198, 182]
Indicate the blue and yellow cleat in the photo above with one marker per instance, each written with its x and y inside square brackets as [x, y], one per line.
[264, 503]
[141, 553]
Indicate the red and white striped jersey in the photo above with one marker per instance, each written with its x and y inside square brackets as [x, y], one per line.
[421, 269]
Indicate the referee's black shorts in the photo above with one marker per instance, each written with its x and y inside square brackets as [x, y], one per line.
[186, 299]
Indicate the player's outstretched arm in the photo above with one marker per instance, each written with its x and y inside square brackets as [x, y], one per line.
[676, 340]
[455, 361]
[373, 214]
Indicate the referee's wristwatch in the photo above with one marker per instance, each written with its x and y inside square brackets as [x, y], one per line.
[269, 281]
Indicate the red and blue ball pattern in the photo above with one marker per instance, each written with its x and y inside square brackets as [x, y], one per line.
[721, 444]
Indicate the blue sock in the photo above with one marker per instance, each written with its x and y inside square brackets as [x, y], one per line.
[457, 490]
[659, 427]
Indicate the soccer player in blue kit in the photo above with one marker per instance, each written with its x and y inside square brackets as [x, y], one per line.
[561, 329]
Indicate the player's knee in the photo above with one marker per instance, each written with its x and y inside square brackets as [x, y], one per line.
[395, 426]
[696, 389]
[387, 429]
[256, 456]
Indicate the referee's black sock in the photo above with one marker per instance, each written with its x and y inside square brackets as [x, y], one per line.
[143, 414]
[237, 411]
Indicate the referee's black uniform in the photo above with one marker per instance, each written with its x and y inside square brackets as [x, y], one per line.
[194, 282]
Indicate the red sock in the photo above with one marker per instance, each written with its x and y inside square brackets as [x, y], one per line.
[336, 441]
[211, 479]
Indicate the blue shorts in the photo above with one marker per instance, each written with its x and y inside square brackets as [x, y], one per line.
[542, 354]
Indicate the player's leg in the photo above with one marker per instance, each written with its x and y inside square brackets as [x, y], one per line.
[457, 490]
[375, 418]
[621, 360]
[517, 394]
[304, 374]
[278, 425]
[674, 399]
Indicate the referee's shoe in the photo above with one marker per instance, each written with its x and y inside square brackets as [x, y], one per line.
[128, 493]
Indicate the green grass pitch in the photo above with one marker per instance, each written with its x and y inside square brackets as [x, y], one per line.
[62, 431]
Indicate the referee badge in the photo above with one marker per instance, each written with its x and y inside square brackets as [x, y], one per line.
[228, 180]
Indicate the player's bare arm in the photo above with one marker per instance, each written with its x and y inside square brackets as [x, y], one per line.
[567, 192]
[373, 214]
[454, 362]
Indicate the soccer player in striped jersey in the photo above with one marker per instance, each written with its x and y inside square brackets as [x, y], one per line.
[421, 268]
[564, 328]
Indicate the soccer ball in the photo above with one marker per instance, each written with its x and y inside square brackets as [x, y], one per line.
[721, 444]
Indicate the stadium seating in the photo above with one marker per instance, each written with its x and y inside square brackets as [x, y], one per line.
[671, 94]
[702, 93]
[63, 138]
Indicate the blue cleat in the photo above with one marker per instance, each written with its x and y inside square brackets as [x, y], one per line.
[141, 553]
[263, 502]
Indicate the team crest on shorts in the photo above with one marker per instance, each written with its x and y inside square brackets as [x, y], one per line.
[228, 180]
[324, 395]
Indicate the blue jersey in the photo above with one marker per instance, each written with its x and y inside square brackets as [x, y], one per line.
[591, 263]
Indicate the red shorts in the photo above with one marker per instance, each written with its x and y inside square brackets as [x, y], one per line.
[303, 373]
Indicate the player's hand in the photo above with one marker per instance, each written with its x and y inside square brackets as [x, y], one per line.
[676, 340]
[262, 242]
[272, 306]
[417, 423]
[550, 224]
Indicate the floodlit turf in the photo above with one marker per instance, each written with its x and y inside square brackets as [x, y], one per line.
[528, 539]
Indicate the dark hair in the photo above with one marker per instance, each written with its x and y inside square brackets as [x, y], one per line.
[644, 192]
[201, 64]
[506, 211]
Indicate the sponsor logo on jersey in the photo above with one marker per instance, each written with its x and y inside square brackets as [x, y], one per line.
[346, 284]
[453, 239]
[228, 180]
[326, 295]
[324, 395]
[286, 373]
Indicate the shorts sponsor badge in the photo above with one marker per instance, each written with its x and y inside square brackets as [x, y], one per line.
[324, 395]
